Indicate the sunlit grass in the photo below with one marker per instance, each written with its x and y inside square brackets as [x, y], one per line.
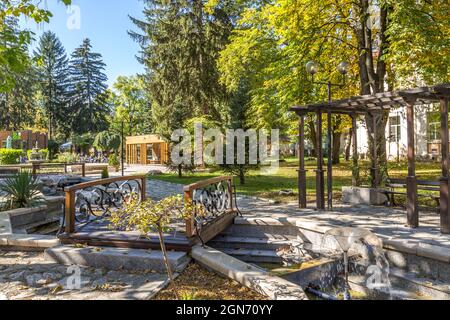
[269, 186]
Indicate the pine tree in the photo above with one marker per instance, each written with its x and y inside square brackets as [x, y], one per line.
[181, 41]
[53, 74]
[88, 104]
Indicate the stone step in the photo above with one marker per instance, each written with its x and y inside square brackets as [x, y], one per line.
[261, 231]
[261, 243]
[254, 256]
[117, 258]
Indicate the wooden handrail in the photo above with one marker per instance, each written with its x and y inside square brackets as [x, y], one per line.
[207, 182]
[71, 195]
[189, 197]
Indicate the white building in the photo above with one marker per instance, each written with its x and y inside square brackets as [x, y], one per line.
[427, 133]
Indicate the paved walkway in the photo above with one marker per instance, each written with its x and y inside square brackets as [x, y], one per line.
[381, 220]
[29, 276]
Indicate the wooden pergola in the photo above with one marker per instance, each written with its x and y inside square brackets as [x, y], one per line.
[375, 105]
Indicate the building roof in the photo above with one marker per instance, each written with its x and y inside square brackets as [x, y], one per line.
[146, 139]
[380, 101]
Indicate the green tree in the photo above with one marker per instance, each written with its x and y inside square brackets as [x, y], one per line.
[53, 81]
[88, 95]
[17, 80]
[180, 41]
[107, 141]
[273, 42]
[12, 58]
[131, 106]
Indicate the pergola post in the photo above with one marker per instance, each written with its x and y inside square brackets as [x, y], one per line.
[355, 178]
[301, 156]
[375, 152]
[444, 199]
[412, 209]
[330, 163]
[320, 197]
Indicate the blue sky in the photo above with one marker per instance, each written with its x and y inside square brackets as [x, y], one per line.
[105, 22]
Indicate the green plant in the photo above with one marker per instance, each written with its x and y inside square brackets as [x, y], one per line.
[67, 157]
[21, 191]
[155, 216]
[10, 156]
[113, 160]
[107, 141]
[105, 173]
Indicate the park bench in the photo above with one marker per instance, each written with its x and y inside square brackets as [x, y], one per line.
[394, 184]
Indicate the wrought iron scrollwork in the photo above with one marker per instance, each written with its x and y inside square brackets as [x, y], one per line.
[216, 200]
[98, 201]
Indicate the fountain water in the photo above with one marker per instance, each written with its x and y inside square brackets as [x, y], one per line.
[344, 239]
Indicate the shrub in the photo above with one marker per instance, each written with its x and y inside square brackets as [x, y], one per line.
[21, 191]
[105, 173]
[10, 156]
[67, 157]
[113, 160]
[53, 148]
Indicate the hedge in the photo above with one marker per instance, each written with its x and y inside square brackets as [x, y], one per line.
[10, 156]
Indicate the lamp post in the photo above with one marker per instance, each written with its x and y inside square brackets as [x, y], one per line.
[122, 159]
[313, 68]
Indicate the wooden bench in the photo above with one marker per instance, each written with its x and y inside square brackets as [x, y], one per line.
[424, 185]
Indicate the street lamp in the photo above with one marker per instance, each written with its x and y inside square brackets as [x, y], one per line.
[312, 68]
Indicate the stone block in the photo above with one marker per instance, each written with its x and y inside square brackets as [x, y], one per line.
[359, 195]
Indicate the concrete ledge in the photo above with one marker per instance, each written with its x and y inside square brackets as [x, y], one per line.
[117, 258]
[252, 277]
[30, 242]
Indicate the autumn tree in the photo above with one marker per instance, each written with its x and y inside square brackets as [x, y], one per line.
[274, 41]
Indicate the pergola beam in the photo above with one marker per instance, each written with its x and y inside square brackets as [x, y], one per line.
[375, 105]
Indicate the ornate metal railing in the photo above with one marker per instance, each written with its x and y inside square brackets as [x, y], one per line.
[217, 198]
[94, 200]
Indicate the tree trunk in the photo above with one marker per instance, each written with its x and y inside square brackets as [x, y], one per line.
[312, 136]
[348, 147]
[336, 147]
[180, 171]
[241, 175]
[371, 80]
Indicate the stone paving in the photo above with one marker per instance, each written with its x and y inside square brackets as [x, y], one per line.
[29, 276]
[381, 220]
[158, 190]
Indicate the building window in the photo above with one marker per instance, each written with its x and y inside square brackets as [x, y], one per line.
[434, 126]
[150, 152]
[395, 129]
[138, 154]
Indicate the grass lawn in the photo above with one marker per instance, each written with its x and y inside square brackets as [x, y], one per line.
[269, 186]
